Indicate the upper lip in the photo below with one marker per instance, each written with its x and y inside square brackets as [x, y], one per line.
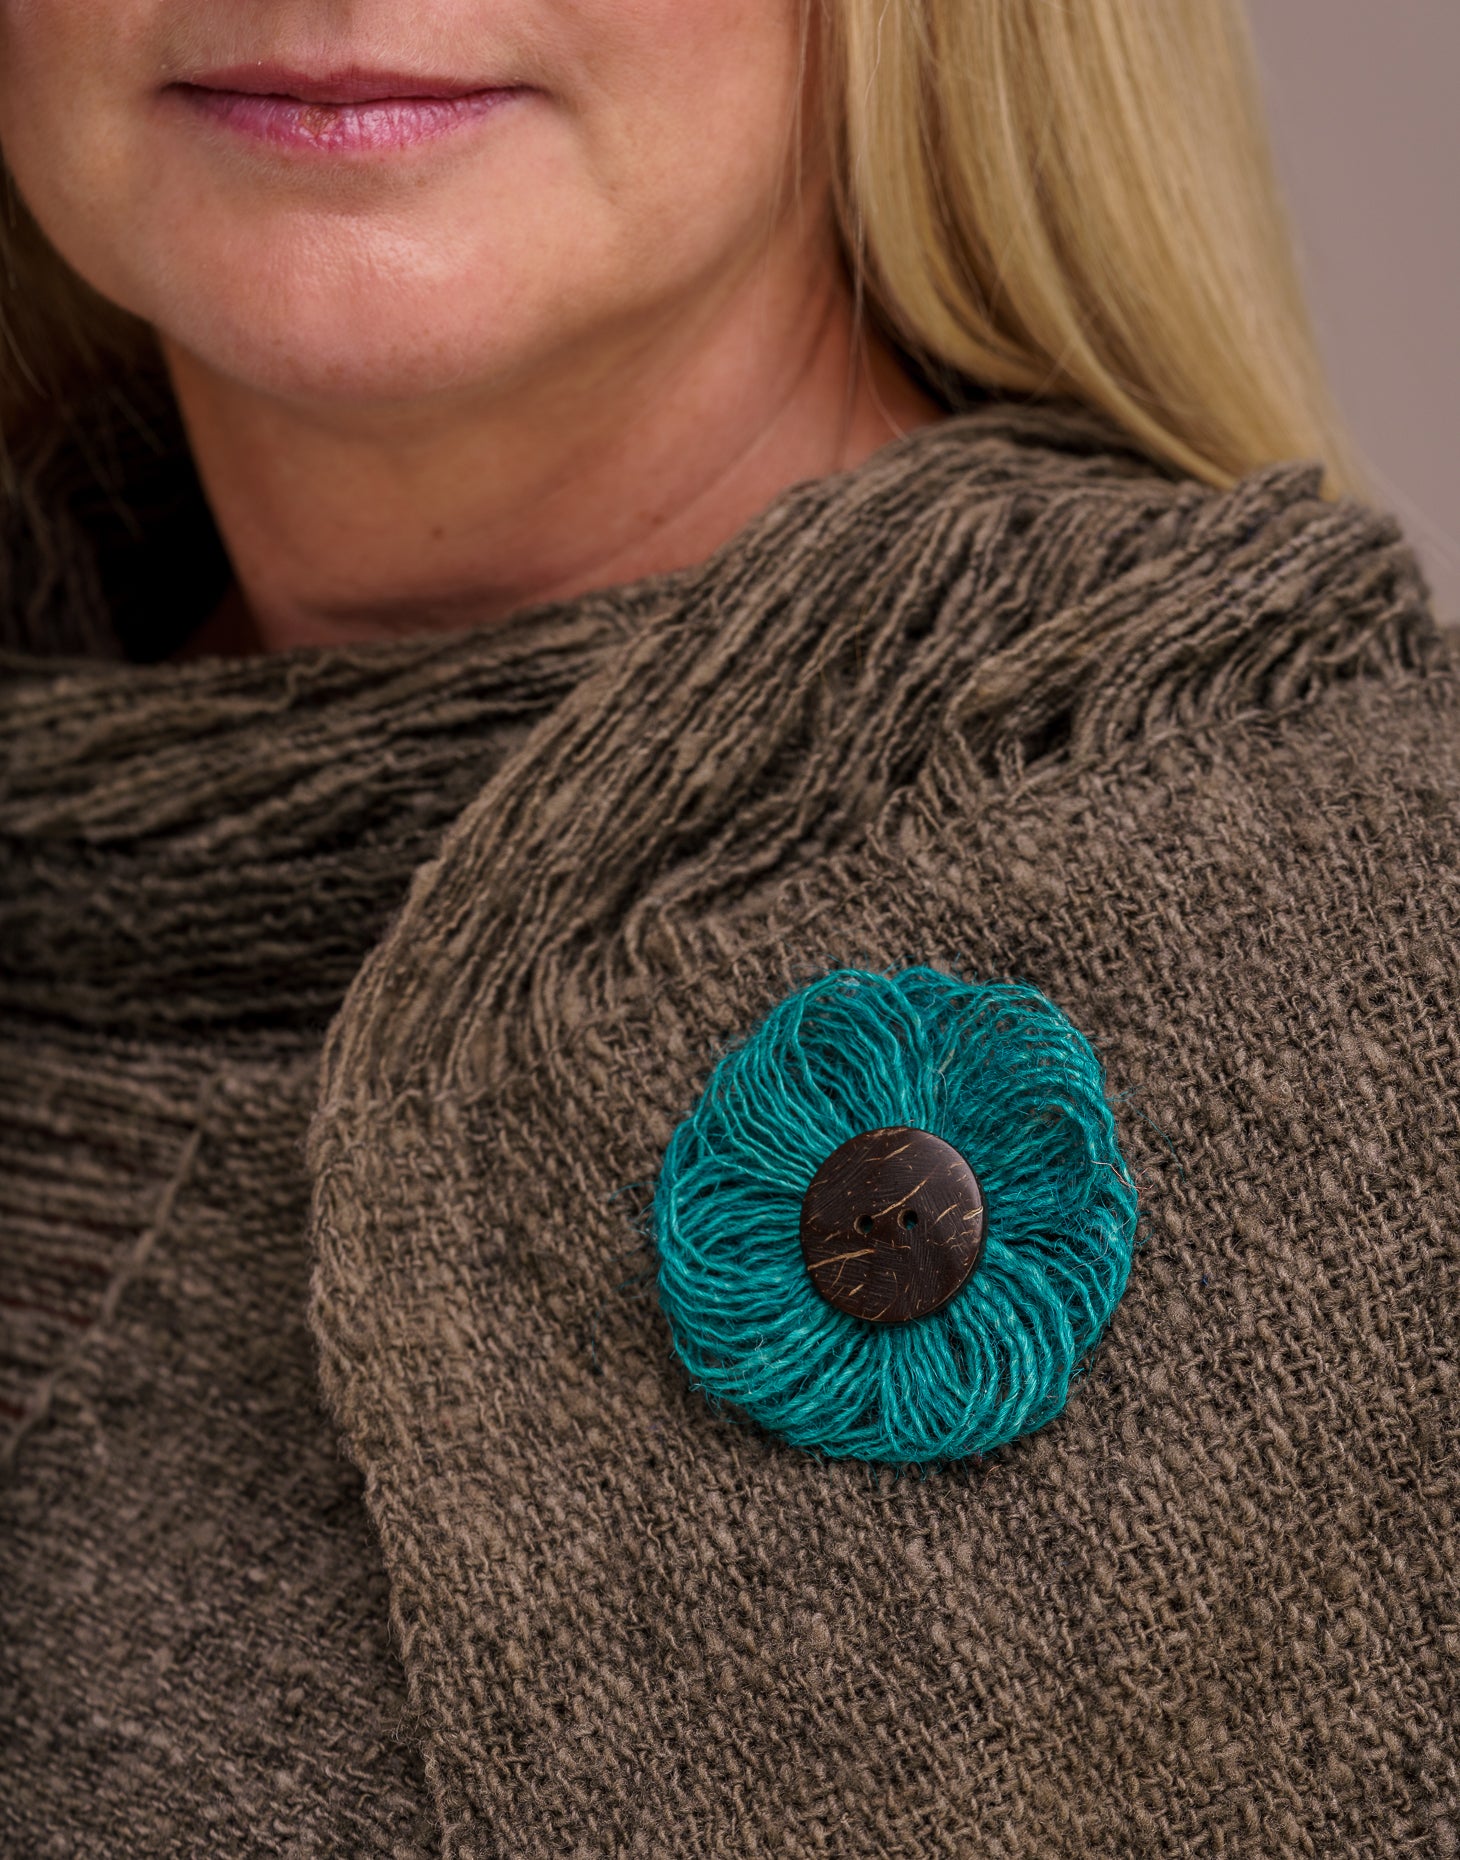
[351, 85]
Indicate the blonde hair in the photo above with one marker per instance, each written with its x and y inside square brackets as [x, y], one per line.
[1047, 198]
[1077, 198]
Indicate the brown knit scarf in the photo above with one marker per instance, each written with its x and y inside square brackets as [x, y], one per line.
[1007, 699]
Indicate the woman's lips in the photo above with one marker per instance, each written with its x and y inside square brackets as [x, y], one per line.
[351, 112]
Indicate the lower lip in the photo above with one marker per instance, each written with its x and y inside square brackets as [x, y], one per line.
[383, 124]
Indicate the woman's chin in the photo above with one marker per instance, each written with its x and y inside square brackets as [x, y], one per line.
[349, 355]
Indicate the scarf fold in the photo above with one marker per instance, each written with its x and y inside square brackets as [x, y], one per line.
[1002, 592]
[919, 719]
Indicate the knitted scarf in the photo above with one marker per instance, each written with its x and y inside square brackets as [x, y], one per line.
[356, 1497]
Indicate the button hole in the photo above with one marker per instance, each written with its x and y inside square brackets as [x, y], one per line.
[863, 1223]
[908, 1218]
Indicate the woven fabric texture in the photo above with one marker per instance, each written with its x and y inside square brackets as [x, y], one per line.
[358, 1502]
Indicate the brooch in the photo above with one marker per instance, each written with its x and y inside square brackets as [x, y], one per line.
[897, 1221]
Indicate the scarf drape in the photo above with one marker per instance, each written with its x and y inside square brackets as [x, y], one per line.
[356, 1495]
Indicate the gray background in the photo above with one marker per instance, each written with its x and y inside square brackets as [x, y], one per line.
[1363, 105]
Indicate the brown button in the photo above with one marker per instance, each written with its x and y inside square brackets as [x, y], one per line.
[892, 1225]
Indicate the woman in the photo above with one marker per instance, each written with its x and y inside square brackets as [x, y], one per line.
[602, 602]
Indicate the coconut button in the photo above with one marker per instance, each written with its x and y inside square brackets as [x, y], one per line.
[892, 1225]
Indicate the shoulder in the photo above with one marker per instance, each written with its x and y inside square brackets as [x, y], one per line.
[1090, 596]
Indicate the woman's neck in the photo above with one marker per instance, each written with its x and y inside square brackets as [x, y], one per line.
[640, 452]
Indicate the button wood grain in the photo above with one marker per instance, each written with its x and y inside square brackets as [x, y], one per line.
[892, 1225]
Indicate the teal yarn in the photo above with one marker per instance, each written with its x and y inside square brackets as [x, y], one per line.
[995, 1069]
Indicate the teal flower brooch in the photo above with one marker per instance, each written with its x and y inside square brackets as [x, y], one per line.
[898, 1219]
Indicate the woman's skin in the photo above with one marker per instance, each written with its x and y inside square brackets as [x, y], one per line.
[581, 336]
